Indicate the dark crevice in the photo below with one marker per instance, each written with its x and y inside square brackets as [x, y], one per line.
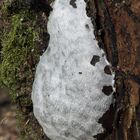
[112, 34]
[120, 106]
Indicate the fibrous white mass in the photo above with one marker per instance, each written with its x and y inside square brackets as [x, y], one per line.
[67, 94]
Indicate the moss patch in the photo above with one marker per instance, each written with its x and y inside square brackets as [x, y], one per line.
[18, 45]
[24, 38]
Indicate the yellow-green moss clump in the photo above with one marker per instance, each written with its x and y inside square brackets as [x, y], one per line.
[17, 45]
[23, 37]
[18, 48]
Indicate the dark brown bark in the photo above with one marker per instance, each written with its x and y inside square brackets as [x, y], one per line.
[118, 32]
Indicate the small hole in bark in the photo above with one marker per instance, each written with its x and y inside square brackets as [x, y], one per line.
[107, 90]
[95, 59]
[107, 70]
[80, 72]
[73, 3]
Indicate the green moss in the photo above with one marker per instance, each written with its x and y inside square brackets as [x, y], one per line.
[18, 44]
[22, 33]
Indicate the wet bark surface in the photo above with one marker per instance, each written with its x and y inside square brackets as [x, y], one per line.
[118, 32]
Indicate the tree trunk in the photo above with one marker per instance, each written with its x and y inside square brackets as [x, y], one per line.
[118, 32]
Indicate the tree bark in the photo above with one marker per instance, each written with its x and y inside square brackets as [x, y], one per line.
[118, 32]
[117, 29]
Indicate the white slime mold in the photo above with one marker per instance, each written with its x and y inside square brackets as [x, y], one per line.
[67, 91]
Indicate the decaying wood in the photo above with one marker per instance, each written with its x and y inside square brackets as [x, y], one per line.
[118, 23]
[118, 32]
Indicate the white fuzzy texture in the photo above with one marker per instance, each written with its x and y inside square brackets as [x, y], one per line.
[68, 104]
